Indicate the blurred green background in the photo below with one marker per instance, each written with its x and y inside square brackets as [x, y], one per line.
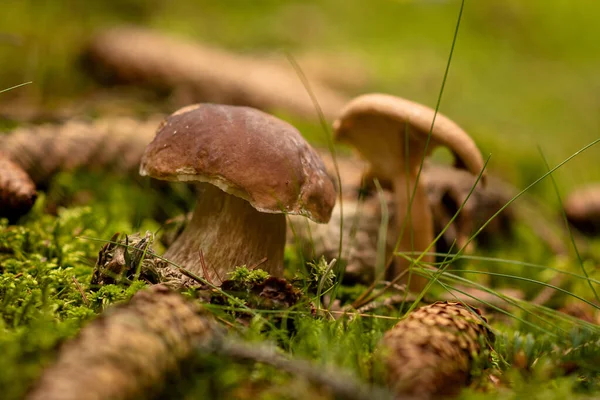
[524, 73]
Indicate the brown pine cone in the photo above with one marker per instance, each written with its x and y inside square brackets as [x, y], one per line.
[17, 190]
[430, 353]
[198, 73]
[127, 352]
[115, 144]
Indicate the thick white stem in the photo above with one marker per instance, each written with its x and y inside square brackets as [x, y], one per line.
[418, 228]
[230, 233]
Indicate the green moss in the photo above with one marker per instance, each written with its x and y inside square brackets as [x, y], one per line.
[243, 277]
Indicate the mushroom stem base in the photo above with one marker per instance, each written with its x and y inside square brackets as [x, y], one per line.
[228, 232]
[417, 234]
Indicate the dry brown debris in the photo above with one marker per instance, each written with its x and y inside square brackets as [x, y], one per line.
[430, 353]
[125, 260]
[127, 352]
[198, 73]
[272, 293]
[17, 190]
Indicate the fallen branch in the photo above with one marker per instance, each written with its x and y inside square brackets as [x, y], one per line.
[342, 385]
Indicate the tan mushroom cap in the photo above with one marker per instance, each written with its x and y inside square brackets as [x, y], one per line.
[372, 111]
[584, 203]
[245, 152]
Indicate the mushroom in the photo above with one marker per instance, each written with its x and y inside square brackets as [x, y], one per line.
[251, 169]
[391, 133]
[582, 208]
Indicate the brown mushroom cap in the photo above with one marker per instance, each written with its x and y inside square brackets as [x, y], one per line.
[370, 111]
[245, 152]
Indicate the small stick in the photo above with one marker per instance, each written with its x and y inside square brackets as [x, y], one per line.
[261, 261]
[341, 384]
[205, 269]
[389, 302]
[78, 286]
[194, 277]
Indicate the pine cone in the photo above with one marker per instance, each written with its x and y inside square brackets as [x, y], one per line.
[199, 73]
[127, 352]
[115, 144]
[429, 354]
[17, 191]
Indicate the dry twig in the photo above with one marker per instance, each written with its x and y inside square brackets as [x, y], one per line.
[341, 384]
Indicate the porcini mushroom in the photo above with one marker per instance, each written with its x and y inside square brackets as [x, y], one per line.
[251, 169]
[391, 133]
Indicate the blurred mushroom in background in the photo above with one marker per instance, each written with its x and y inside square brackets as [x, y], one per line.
[365, 210]
[363, 215]
[393, 135]
[582, 208]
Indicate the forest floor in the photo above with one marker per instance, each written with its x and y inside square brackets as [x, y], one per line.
[522, 81]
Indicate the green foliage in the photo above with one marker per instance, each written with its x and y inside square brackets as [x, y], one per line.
[109, 294]
[319, 275]
[27, 349]
[245, 278]
[45, 297]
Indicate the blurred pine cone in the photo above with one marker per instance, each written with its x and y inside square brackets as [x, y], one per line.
[582, 208]
[107, 144]
[17, 191]
[430, 353]
[129, 351]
